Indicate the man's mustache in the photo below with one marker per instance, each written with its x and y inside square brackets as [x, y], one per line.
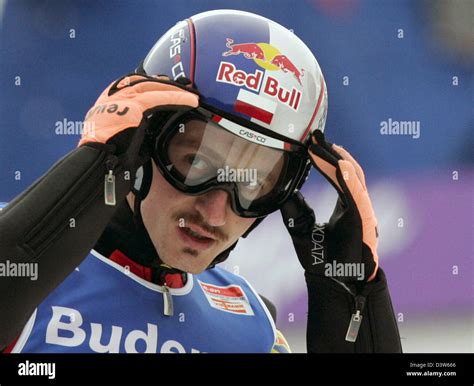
[197, 219]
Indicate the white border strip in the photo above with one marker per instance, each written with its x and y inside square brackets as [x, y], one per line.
[251, 135]
[25, 334]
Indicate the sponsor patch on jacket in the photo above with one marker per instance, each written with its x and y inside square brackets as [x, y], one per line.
[229, 299]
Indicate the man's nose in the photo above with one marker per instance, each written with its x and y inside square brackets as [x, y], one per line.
[213, 207]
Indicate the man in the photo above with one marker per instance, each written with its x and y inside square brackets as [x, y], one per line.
[218, 127]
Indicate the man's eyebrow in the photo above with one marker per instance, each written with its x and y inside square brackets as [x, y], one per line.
[197, 145]
[270, 176]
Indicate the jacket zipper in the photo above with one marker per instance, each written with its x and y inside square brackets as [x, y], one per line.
[109, 182]
[356, 319]
[167, 301]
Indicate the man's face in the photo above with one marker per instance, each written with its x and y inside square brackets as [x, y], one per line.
[188, 232]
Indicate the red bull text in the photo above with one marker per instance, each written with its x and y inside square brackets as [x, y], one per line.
[228, 73]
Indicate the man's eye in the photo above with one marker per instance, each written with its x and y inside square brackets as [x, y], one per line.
[253, 185]
[197, 162]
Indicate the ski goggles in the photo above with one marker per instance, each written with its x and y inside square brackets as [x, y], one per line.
[200, 151]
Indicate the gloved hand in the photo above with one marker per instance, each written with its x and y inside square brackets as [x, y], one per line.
[346, 247]
[120, 114]
[120, 119]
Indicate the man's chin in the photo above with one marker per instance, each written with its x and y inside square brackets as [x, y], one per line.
[190, 269]
[189, 262]
[195, 271]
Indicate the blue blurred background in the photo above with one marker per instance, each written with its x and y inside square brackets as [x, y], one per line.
[382, 60]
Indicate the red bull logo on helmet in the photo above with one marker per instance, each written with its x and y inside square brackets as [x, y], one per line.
[269, 58]
[266, 56]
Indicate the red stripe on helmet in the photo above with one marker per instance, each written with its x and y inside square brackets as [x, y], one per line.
[320, 99]
[253, 112]
[192, 35]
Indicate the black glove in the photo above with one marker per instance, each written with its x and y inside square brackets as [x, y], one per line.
[345, 248]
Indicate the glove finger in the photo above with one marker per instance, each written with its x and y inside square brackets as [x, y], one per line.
[136, 84]
[332, 154]
[159, 85]
[348, 157]
[117, 85]
[363, 205]
[327, 165]
[173, 97]
[122, 114]
[122, 83]
[325, 160]
[129, 80]
[319, 139]
[358, 193]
